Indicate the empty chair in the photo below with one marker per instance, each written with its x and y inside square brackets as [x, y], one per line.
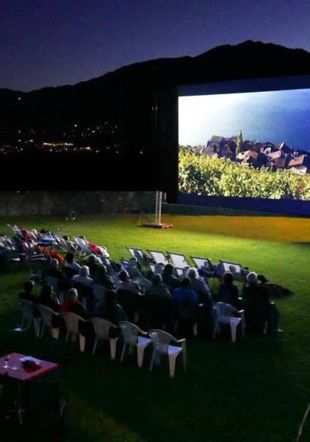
[102, 329]
[133, 336]
[28, 318]
[72, 326]
[161, 346]
[158, 257]
[178, 261]
[226, 314]
[137, 254]
[47, 315]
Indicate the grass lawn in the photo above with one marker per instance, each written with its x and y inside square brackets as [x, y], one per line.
[255, 390]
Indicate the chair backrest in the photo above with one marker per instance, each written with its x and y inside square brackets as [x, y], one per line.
[178, 260]
[46, 314]
[232, 267]
[102, 327]
[223, 309]
[72, 322]
[158, 257]
[83, 244]
[27, 308]
[130, 332]
[161, 340]
[137, 254]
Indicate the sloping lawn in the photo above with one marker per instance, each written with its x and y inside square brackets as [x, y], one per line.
[255, 390]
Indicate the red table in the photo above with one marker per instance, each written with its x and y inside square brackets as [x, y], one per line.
[16, 371]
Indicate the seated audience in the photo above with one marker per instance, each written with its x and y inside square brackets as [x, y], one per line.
[102, 278]
[71, 264]
[48, 298]
[157, 305]
[169, 277]
[27, 292]
[53, 271]
[228, 291]
[260, 314]
[72, 304]
[112, 311]
[200, 287]
[185, 301]
[93, 264]
[125, 283]
[158, 288]
[83, 277]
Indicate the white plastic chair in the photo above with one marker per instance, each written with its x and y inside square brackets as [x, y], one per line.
[102, 328]
[132, 337]
[28, 319]
[224, 314]
[83, 246]
[72, 325]
[158, 257]
[178, 260]
[47, 318]
[161, 346]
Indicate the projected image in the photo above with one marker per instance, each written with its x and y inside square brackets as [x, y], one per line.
[253, 144]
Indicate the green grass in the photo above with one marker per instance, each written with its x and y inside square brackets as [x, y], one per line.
[256, 390]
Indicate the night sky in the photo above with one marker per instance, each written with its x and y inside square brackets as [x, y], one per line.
[57, 42]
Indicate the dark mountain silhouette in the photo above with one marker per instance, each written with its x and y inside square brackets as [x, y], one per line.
[141, 99]
[132, 87]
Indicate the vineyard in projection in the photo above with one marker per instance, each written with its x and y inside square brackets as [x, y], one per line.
[211, 176]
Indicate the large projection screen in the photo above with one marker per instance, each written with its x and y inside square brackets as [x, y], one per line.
[246, 144]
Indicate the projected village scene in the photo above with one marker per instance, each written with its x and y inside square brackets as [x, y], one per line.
[252, 145]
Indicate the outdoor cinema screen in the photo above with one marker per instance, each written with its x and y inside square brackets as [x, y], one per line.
[246, 144]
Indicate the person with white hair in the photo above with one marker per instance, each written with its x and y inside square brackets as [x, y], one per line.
[72, 304]
[200, 286]
[83, 277]
[261, 314]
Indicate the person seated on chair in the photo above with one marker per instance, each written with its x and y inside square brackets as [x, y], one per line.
[83, 277]
[157, 305]
[53, 271]
[228, 291]
[126, 283]
[27, 292]
[158, 288]
[72, 304]
[185, 301]
[48, 298]
[200, 287]
[260, 313]
[102, 278]
[139, 278]
[93, 264]
[112, 311]
[169, 277]
[71, 264]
